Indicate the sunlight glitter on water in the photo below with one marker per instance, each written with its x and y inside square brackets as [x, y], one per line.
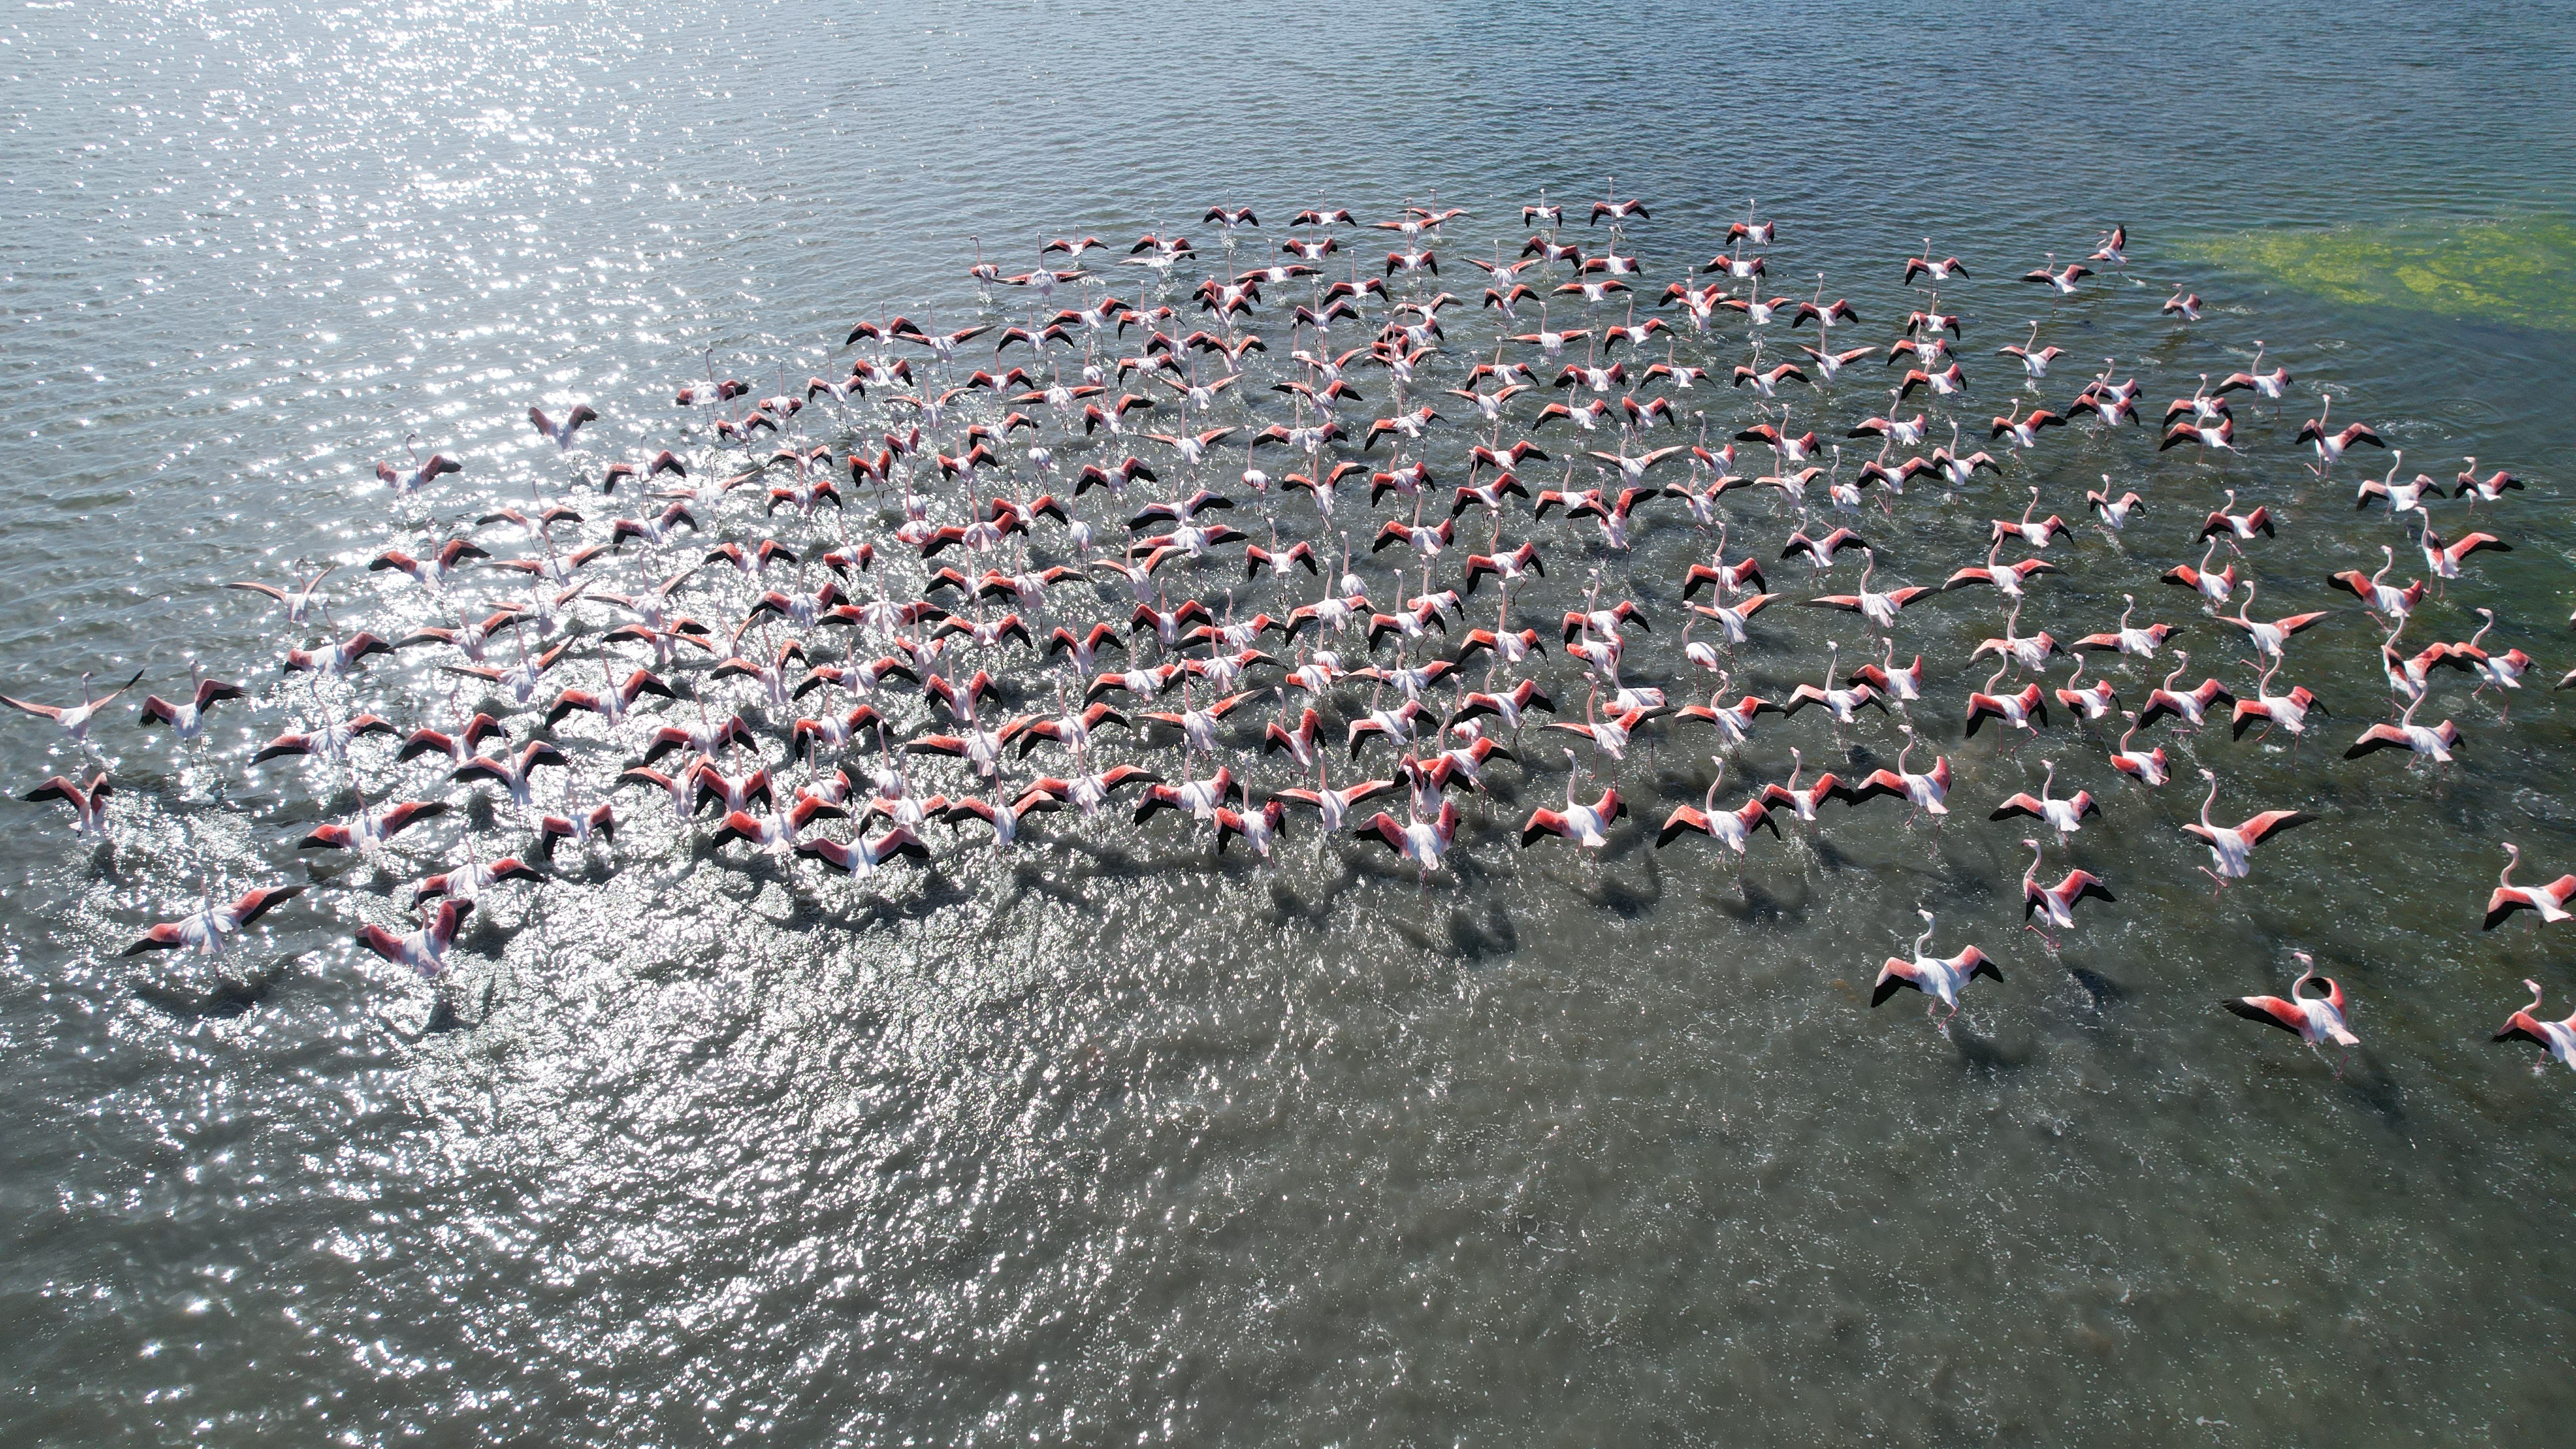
[1119, 1143]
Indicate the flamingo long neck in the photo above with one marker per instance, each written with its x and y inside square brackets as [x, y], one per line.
[2212, 799]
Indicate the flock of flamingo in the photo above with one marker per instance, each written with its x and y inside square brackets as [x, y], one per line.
[869, 599]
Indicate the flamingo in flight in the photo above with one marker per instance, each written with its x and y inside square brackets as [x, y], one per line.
[424, 950]
[2231, 847]
[1940, 978]
[88, 802]
[2312, 1019]
[75, 719]
[207, 930]
[2556, 1039]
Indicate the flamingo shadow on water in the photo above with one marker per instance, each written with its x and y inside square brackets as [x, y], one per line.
[222, 999]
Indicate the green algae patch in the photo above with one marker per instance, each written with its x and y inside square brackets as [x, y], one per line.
[2521, 270]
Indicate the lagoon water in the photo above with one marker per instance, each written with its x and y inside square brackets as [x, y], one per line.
[1115, 1143]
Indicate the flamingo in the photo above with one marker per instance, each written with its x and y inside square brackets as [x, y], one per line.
[2238, 528]
[1900, 685]
[365, 832]
[1258, 828]
[512, 772]
[2556, 1039]
[468, 881]
[2030, 651]
[2059, 280]
[1332, 807]
[1939, 269]
[1802, 802]
[561, 433]
[2015, 711]
[2548, 902]
[424, 950]
[859, 857]
[1581, 823]
[1610, 736]
[1731, 828]
[88, 802]
[576, 824]
[1091, 793]
[2190, 706]
[299, 601]
[75, 719]
[2269, 637]
[2332, 446]
[2115, 511]
[329, 739]
[1734, 722]
[187, 719]
[208, 929]
[1734, 618]
[2231, 847]
[2270, 386]
[1201, 798]
[2312, 1019]
[2402, 498]
[2034, 534]
[422, 474]
[2503, 671]
[2147, 769]
[327, 660]
[1843, 703]
[2055, 905]
[2278, 711]
[1420, 841]
[1003, 815]
[2034, 358]
[2433, 742]
[2444, 560]
[1879, 609]
[2142, 642]
[1926, 792]
[2213, 587]
[2092, 702]
[1941, 978]
[2376, 596]
[2490, 489]
[2063, 816]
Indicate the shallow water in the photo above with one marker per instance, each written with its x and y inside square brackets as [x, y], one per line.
[1119, 1142]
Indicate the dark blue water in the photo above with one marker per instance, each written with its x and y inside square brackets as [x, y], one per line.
[1114, 1142]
